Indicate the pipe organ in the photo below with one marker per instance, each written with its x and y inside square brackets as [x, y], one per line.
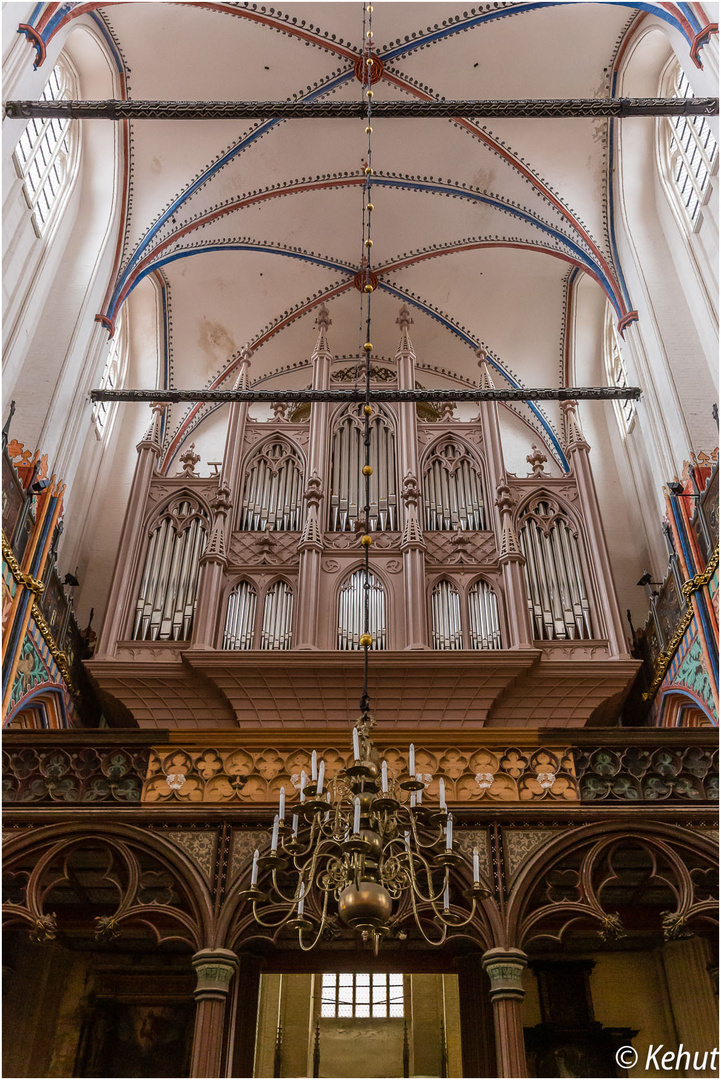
[347, 457]
[265, 557]
[273, 489]
[166, 600]
[452, 489]
[557, 593]
[350, 611]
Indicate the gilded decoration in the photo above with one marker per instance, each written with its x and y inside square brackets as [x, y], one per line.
[519, 844]
[215, 775]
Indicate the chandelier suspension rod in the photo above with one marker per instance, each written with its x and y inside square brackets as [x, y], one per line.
[520, 109]
[291, 397]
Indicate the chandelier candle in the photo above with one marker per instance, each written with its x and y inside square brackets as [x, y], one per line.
[281, 805]
[321, 777]
[449, 833]
[384, 777]
[254, 871]
[356, 745]
[442, 794]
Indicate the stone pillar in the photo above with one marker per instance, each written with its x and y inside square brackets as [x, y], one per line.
[131, 537]
[577, 449]
[214, 969]
[691, 993]
[311, 540]
[505, 968]
[412, 543]
[512, 563]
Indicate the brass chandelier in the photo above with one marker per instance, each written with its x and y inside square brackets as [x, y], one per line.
[363, 848]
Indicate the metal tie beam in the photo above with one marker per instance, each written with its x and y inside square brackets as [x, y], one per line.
[524, 109]
[555, 393]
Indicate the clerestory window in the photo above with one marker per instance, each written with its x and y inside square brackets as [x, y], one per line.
[112, 377]
[692, 154]
[45, 151]
[378, 996]
[617, 372]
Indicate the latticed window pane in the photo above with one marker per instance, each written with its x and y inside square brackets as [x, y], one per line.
[483, 623]
[693, 153]
[277, 617]
[446, 616]
[452, 490]
[273, 490]
[362, 996]
[347, 481]
[42, 155]
[240, 617]
[111, 377]
[617, 372]
[351, 612]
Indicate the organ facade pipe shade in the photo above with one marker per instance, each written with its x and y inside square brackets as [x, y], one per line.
[483, 622]
[168, 585]
[446, 616]
[557, 592]
[240, 617]
[350, 612]
[276, 632]
[452, 490]
[272, 495]
[347, 459]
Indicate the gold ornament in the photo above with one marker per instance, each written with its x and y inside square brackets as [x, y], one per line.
[369, 243]
[367, 410]
[369, 131]
[369, 288]
[369, 93]
[365, 640]
[366, 540]
[368, 171]
[367, 470]
[370, 205]
[368, 346]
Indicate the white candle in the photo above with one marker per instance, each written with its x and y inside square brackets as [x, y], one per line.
[295, 826]
[476, 867]
[356, 745]
[413, 798]
[321, 776]
[420, 792]
[449, 832]
[254, 872]
[412, 760]
[274, 841]
[446, 897]
[384, 777]
[301, 905]
[314, 765]
[442, 793]
[303, 781]
[407, 838]
[356, 816]
[281, 804]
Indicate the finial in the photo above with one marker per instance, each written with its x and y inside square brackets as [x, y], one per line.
[404, 319]
[189, 459]
[485, 382]
[323, 319]
[536, 460]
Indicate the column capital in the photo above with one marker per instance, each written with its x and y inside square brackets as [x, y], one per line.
[214, 969]
[505, 969]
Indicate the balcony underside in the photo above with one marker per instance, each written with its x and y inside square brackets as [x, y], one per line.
[166, 686]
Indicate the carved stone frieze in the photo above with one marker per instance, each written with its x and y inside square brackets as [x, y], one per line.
[263, 548]
[442, 548]
[344, 541]
[582, 650]
[519, 844]
[215, 775]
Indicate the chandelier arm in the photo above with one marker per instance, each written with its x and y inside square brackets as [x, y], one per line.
[430, 898]
[420, 927]
[321, 928]
[269, 925]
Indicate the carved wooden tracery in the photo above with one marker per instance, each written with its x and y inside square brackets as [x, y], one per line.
[558, 595]
[169, 581]
[105, 883]
[617, 886]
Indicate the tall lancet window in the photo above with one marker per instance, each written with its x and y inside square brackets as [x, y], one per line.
[168, 586]
[277, 617]
[692, 154]
[240, 617]
[446, 616]
[351, 611]
[452, 489]
[273, 491]
[347, 484]
[557, 593]
[483, 622]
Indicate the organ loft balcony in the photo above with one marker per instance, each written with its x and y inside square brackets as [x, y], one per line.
[238, 599]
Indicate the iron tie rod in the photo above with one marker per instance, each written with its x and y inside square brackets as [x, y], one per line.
[557, 393]
[523, 109]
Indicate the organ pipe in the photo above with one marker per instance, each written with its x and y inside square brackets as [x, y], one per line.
[240, 617]
[277, 626]
[350, 612]
[557, 594]
[346, 494]
[446, 616]
[483, 622]
[453, 492]
[272, 495]
[166, 601]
